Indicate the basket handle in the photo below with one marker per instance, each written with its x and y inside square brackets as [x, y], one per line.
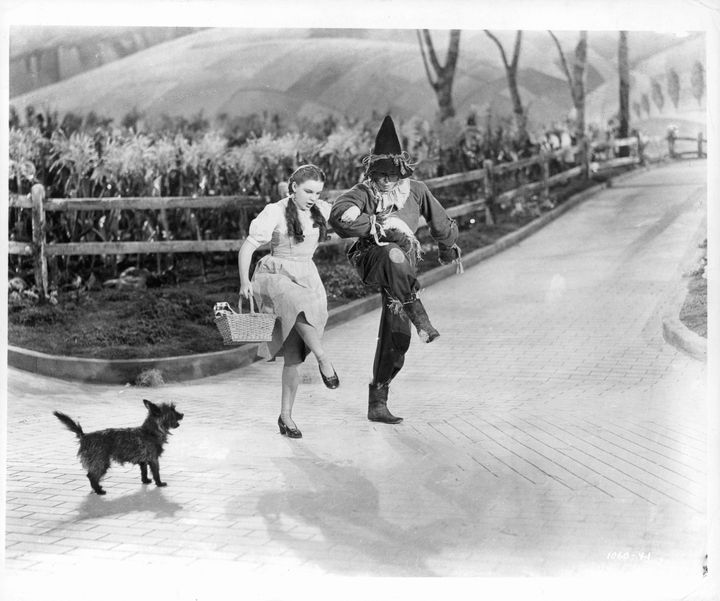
[252, 304]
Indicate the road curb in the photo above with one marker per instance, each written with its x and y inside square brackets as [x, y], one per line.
[678, 335]
[675, 332]
[191, 367]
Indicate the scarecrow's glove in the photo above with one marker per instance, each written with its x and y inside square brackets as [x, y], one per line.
[350, 215]
[451, 255]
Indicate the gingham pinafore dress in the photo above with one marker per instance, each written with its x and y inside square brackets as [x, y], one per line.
[286, 282]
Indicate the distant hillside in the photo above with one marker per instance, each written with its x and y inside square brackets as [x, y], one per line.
[653, 107]
[40, 56]
[306, 72]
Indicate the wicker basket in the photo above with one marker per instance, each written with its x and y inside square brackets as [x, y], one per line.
[237, 328]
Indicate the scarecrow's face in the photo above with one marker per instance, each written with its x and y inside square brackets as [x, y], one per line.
[385, 182]
[307, 193]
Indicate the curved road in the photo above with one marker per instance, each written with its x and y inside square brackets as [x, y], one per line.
[549, 431]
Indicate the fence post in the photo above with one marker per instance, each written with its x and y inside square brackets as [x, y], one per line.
[545, 174]
[37, 194]
[701, 154]
[640, 149]
[585, 157]
[671, 145]
[488, 190]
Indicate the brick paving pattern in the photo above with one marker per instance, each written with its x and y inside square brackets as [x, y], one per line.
[549, 432]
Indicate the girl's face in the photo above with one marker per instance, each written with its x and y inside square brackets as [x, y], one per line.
[307, 193]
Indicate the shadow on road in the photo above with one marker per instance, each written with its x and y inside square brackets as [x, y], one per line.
[343, 505]
[145, 499]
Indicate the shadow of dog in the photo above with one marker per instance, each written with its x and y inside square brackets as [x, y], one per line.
[145, 499]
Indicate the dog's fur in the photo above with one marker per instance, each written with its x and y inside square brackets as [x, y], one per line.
[141, 446]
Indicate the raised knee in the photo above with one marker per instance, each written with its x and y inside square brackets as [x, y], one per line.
[396, 255]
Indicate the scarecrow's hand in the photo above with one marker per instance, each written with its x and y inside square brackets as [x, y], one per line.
[350, 215]
[448, 255]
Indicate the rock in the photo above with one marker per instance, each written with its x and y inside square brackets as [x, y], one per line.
[17, 285]
[135, 272]
[93, 283]
[127, 283]
[131, 278]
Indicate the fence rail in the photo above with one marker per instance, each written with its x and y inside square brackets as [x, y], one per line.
[488, 177]
[700, 149]
[137, 202]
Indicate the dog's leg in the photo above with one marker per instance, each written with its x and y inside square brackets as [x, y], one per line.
[155, 469]
[96, 468]
[143, 473]
[95, 483]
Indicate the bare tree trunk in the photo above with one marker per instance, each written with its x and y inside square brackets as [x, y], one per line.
[579, 83]
[576, 79]
[511, 74]
[444, 75]
[624, 73]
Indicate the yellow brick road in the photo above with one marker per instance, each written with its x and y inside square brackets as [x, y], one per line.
[549, 432]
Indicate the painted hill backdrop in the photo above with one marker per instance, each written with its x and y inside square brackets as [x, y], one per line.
[343, 72]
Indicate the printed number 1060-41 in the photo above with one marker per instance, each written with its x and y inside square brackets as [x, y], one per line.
[626, 555]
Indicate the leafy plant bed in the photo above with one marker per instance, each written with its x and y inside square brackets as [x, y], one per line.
[176, 319]
[693, 313]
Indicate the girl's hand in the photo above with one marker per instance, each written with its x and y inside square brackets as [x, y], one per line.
[246, 289]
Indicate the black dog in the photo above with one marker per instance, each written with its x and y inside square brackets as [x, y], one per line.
[141, 446]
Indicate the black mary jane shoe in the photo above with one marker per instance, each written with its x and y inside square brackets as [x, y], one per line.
[332, 382]
[286, 430]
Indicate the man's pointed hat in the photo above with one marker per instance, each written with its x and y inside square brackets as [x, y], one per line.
[387, 155]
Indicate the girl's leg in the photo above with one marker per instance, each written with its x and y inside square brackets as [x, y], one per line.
[290, 383]
[311, 337]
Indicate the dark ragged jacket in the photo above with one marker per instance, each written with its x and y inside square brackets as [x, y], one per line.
[420, 202]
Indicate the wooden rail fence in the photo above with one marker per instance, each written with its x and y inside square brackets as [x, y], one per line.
[699, 150]
[489, 177]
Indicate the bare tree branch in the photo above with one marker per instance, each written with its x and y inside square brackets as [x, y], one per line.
[443, 74]
[516, 51]
[511, 74]
[580, 59]
[425, 61]
[453, 51]
[564, 64]
[576, 78]
[431, 51]
[499, 45]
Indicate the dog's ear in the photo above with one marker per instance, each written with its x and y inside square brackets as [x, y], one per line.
[152, 408]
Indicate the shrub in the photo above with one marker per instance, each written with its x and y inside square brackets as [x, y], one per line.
[39, 315]
[150, 378]
[673, 86]
[697, 81]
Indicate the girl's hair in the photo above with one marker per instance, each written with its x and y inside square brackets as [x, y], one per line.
[300, 176]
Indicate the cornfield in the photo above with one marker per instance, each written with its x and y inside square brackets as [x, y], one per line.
[96, 159]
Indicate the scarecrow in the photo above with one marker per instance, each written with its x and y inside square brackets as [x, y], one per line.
[383, 212]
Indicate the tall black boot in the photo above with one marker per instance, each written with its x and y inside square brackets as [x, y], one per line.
[418, 316]
[377, 405]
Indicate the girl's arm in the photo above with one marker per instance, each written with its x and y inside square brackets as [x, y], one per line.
[259, 232]
[244, 259]
[346, 215]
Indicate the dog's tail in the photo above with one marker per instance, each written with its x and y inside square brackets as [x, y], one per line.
[69, 424]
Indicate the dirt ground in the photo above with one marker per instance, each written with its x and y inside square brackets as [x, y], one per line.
[110, 323]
